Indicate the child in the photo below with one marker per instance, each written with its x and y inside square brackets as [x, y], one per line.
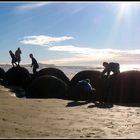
[110, 67]
[17, 55]
[85, 89]
[14, 60]
[34, 63]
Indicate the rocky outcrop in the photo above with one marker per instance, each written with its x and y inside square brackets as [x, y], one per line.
[47, 87]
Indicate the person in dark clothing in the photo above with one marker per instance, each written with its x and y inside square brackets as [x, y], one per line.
[34, 63]
[17, 55]
[85, 89]
[111, 67]
[85, 85]
[109, 79]
[14, 60]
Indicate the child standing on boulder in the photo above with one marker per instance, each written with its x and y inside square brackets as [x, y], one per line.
[34, 63]
[14, 60]
[17, 55]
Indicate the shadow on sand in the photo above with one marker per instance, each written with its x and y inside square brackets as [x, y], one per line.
[76, 103]
[95, 104]
[129, 104]
[101, 105]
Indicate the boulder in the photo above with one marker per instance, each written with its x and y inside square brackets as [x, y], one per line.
[15, 76]
[125, 87]
[53, 72]
[47, 87]
[2, 73]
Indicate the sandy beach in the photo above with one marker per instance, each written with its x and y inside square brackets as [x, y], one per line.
[56, 118]
[69, 70]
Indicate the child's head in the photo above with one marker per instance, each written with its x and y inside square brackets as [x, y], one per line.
[88, 80]
[105, 64]
[31, 55]
[10, 51]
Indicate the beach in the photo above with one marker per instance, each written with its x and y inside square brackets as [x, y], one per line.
[69, 70]
[57, 118]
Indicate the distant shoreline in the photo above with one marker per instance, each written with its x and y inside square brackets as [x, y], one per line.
[74, 68]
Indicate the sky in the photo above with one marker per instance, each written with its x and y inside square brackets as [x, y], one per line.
[71, 33]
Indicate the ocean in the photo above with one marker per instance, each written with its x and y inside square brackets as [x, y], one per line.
[70, 71]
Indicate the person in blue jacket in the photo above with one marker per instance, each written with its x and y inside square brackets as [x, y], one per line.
[85, 86]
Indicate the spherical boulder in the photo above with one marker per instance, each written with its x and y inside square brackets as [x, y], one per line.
[102, 89]
[15, 76]
[27, 81]
[121, 88]
[2, 73]
[125, 87]
[47, 87]
[94, 77]
[53, 72]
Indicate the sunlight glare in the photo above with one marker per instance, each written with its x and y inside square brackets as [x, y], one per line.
[125, 7]
[124, 10]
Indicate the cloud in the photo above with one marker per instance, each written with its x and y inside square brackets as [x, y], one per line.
[87, 52]
[66, 61]
[30, 6]
[91, 56]
[82, 55]
[43, 40]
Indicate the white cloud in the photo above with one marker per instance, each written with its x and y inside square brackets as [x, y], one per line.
[82, 55]
[91, 56]
[30, 6]
[43, 40]
[87, 52]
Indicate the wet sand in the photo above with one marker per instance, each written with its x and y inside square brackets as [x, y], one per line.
[56, 118]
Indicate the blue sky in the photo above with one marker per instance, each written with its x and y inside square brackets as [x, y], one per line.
[71, 33]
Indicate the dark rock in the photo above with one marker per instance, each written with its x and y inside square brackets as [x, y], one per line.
[15, 76]
[53, 72]
[47, 87]
[2, 73]
[125, 87]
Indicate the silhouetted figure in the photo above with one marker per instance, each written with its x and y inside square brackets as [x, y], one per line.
[17, 55]
[109, 80]
[114, 67]
[85, 88]
[14, 60]
[34, 63]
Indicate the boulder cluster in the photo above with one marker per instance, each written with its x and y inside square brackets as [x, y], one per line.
[53, 83]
